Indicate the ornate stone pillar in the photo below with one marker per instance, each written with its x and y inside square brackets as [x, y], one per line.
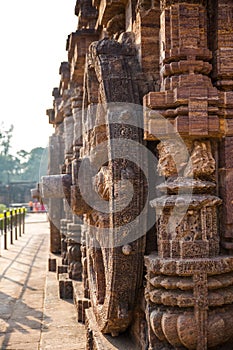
[77, 46]
[68, 155]
[221, 43]
[74, 228]
[189, 303]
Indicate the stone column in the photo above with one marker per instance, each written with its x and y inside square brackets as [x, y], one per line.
[181, 308]
[221, 43]
[68, 155]
[55, 205]
[74, 228]
[77, 45]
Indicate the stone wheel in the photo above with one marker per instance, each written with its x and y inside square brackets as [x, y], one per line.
[114, 280]
[115, 269]
[115, 248]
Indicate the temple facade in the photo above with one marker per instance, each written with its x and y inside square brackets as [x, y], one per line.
[140, 183]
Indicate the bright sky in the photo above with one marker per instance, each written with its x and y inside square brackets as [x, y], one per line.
[33, 44]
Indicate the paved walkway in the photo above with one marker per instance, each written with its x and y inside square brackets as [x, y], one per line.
[31, 314]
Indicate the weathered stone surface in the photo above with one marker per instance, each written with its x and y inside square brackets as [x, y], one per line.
[194, 111]
[54, 186]
[55, 239]
[174, 57]
[61, 269]
[52, 264]
[65, 286]
[74, 251]
[97, 341]
[81, 303]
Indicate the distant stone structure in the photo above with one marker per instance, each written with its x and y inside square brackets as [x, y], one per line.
[154, 75]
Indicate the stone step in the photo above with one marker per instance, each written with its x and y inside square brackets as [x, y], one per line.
[61, 269]
[52, 263]
[80, 302]
[65, 286]
[98, 341]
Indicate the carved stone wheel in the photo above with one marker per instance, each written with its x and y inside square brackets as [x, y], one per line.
[115, 260]
[116, 245]
[114, 282]
[116, 240]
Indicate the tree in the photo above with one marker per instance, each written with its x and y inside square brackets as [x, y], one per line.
[5, 138]
[23, 167]
[8, 164]
[32, 166]
[23, 155]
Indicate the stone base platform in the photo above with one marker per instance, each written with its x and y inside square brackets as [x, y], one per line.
[98, 341]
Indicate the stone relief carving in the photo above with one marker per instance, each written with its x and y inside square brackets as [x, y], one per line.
[171, 158]
[201, 162]
[102, 182]
[186, 229]
[174, 162]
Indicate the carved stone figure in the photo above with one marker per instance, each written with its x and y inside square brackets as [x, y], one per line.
[201, 163]
[172, 159]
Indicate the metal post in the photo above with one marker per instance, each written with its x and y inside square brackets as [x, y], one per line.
[5, 229]
[11, 225]
[20, 214]
[24, 212]
[1, 227]
[15, 221]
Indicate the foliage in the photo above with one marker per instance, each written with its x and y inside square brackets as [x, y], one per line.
[22, 167]
[5, 138]
[31, 166]
[8, 165]
[2, 207]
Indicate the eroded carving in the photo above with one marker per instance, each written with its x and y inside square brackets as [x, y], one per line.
[175, 161]
[172, 159]
[102, 183]
[116, 26]
[201, 163]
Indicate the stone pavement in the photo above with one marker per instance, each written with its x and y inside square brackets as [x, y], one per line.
[31, 314]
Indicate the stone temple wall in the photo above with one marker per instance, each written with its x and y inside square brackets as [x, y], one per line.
[141, 171]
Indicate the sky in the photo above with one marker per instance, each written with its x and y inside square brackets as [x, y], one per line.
[33, 44]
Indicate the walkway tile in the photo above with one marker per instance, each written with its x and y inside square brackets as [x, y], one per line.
[31, 314]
